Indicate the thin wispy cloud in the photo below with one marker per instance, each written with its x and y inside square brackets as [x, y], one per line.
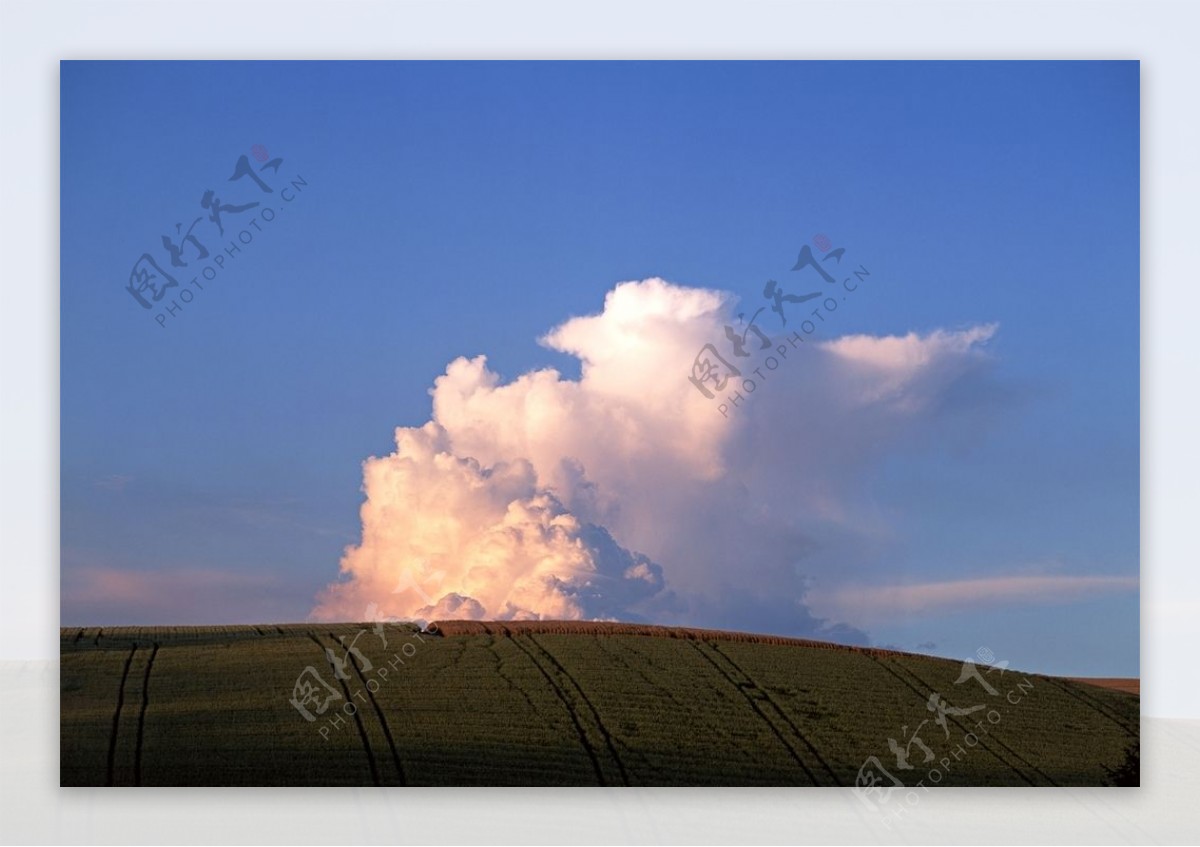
[113, 482]
[865, 603]
[97, 594]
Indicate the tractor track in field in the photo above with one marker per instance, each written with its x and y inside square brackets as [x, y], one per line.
[779, 710]
[1099, 707]
[648, 715]
[383, 723]
[362, 732]
[562, 696]
[601, 644]
[924, 696]
[491, 648]
[679, 706]
[608, 741]
[116, 722]
[1009, 750]
[141, 724]
[795, 754]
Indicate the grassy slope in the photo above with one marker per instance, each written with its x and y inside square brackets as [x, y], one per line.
[555, 705]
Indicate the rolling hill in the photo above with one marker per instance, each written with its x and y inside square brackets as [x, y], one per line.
[555, 703]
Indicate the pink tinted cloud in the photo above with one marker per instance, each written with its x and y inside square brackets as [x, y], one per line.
[100, 595]
[861, 604]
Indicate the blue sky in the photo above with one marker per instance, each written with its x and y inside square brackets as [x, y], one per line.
[452, 209]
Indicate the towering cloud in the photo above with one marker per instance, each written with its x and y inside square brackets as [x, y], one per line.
[626, 493]
[445, 537]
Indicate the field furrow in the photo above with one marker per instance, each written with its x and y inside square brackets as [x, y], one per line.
[141, 724]
[360, 674]
[349, 700]
[744, 688]
[777, 711]
[986, 740]
[1080, 693]
[116, 721]
[574, 686]
[572, 712]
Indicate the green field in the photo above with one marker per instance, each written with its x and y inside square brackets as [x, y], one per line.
[214, 706]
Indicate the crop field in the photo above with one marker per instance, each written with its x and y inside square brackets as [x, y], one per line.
[563, 704]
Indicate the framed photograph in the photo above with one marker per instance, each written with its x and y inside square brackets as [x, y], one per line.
[572, 423]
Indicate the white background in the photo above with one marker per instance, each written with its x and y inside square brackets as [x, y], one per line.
[36, 34]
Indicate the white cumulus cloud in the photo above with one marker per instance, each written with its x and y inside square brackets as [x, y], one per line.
[625, 493]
